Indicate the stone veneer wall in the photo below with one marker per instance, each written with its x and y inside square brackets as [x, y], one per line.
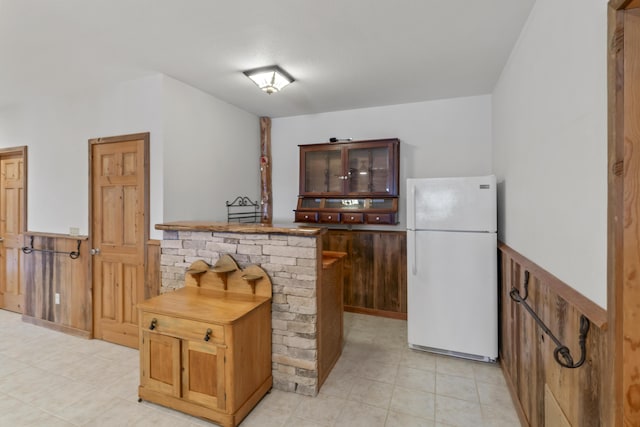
[291, 262]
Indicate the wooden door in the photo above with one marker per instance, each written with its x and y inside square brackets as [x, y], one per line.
[12, 227]
[119, 232]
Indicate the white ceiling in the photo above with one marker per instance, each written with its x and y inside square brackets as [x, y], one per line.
[343, 54]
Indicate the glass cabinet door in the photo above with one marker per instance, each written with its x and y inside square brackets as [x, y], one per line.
[369, 170]
[323, 172]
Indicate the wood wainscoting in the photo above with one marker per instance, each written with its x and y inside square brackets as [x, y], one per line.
[375, 270]
[526, 353]
[48, 274]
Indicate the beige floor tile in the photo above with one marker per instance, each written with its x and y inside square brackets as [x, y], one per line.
[372, 393]
[321, 409]
[300, 422]
[357, 414]
[494, 394]
[463, 388]
[458, 413]
[374, 370]
[418, 360]
[377, 381]
[488, 373]
[454, 366]
[396, 419]
[337, 385]
[282, 402]
[413, 402]
[498, 416]
[416, 379]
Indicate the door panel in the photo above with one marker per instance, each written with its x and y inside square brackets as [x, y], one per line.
[119, 232]
[161, 363]
[12, 227]
[203, 373]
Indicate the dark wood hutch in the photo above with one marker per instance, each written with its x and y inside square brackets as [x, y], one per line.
[349, 182]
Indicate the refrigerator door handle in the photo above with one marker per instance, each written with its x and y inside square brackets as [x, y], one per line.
[411, 214]
[414, 266]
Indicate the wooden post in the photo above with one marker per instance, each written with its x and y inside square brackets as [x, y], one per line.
[266, 204]
[623, 259]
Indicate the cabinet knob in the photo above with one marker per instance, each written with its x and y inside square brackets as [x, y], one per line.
[207, 335]
[351, 218]
[330, 217]
[377, 218]
[154, 323]
[306, 217]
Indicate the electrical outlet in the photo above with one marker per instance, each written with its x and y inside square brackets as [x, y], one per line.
[57, 298]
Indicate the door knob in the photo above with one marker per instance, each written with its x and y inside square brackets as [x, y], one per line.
[95, 251]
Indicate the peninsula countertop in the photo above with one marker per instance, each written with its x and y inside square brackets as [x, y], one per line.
[248, 228]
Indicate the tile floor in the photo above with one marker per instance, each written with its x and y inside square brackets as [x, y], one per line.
[51, 379]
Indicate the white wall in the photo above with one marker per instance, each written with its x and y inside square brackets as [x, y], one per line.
[550, 143]
[449, 137]
[56, 131]
[211, 154]
[202, 151]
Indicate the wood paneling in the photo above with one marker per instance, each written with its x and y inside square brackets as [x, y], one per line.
[47, 274]
[330, 313]
[526, 353]
[375, 276]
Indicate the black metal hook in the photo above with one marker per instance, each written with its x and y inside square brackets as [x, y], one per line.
[73, 254]
[561, 354]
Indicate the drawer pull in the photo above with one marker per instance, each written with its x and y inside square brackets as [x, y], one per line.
[330, 217]
[306, 217]
[207, 336]
[154, 323]
[377, 218]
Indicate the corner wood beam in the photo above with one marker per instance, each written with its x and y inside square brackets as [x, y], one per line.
[266, 204]
[623, 258]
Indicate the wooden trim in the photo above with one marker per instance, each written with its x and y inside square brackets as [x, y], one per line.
[56, 235]
[596, 314]
[152, 274]
[57, 327]
[623, 4]
[22, 151]
[266, 196]
[615, 208]
[373, 312]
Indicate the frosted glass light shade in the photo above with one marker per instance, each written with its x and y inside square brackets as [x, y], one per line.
[269, 79]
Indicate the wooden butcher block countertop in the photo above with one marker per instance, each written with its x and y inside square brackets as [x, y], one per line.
[252, 228]
[198, 304]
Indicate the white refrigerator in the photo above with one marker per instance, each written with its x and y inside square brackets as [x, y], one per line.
[452, 289]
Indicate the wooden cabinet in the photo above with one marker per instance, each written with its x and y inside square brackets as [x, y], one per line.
[375, 270]
[350, 183]
[205, 350]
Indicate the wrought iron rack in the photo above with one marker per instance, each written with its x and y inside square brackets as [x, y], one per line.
[73, 254]
[561, 354]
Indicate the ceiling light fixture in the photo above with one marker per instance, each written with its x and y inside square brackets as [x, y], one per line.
[269, 79]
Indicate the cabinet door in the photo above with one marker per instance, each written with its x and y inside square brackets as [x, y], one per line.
[371, 170]
[160, 363]
[203, 374]
[321, 171]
